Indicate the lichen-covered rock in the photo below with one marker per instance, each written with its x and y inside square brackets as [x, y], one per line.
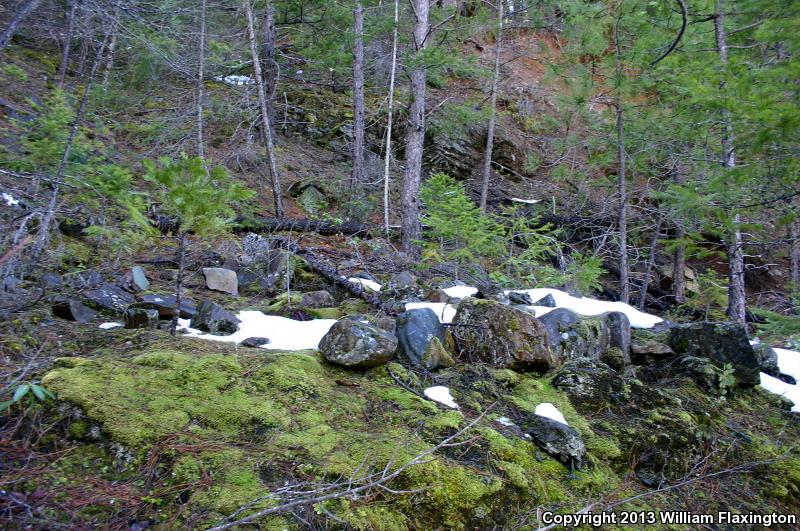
[109, 297]
[421, 339]
[141, 318]
[355, 343]
[73, 310]
[221, 279]
[502, 336]
[135, 280]
[590, 381]
[606, 336]
[557, 439]
[647, 346]
[213, 318]
[767, 359]
[721, 342]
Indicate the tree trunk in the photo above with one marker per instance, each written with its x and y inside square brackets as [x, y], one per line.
[415, 137]
[357, 175]
[737, 305]
[388, 153]
[179, 278]
[794, 262]
[269, 66]
[651, 260]
[679, 266]
[487, 156]
[201, 59]
[112, 45]
[622, 223]
[265, 122]
[20, 15]
[62, 67]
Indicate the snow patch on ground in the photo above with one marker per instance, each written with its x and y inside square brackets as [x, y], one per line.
[526, 201]
[445, 312]
[283, 333]
[108, 326]
[789, 364]
[548, 410]
[9, 199]
[442, 395]
[459, 292]
[369, 284]
[588, 306]
[235, 80]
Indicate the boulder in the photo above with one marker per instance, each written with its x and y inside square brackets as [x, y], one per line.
[604, 337]
[647, 346]
[213, 318]
[141, 318]
[723, 343]
[165, 304]
[84, 279]
[221, 279]
[109, 297]
[354, 343]
[767, 359]
[317, 299]
[547, 301]
[135, 280]
[421, 339]
[502, 336]
[591, 382]
[557, 439]
[254, 342]
[520, 297]
[73, 310]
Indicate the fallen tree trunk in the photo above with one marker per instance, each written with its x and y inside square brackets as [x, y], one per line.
[325, 228]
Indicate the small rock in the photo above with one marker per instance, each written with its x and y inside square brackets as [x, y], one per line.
[356, 344]
[141, 318]
[213, 318]
[767, 359]
[165, 304]
[317, 299]
[403, 279]
[722, 343]
[520, 297]
[421, 339]
[73, 310]
[547, 301]
[110, 298]
[135, 280]
[254, 342]
[221, 279]
[557, 439]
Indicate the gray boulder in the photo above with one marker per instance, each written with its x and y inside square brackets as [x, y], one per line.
[502, 336]
[403, 279]
[317, 299]
[213, 318]
[588, 381]
[605, 337]
[73, 310]
[520, 297]
[141, 318]
[723, 343]
[421, 339]
[254, 342]
[221, 279]
[165, 304]
[767, 359]
[356, 344]
[109, 297]
[557, 439]
[547, 301]
[135, 280]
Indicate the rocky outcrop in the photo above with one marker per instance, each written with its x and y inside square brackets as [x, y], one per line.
[421, 339]
[213, 318]
[589, 381]
[557, 439]
[502, 336]
[605, 337]
[353, 342]
[723, 343]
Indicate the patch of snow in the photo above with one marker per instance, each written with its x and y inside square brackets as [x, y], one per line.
[9, 199]
[369, 284]
[588, 306]
[445, 312]
[108, 326]
[546, 409]
[505, 421]
[526, 201]
[789, 362]
[779, 387]
[459, 292]
[283, 333]
[235, 80]
[442, 395]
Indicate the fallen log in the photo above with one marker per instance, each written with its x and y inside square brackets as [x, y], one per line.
[325, 228]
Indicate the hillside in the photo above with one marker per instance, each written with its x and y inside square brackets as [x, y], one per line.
[565, 296]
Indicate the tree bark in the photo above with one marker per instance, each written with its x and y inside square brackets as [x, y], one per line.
[388, 153]
[20, 15]
[62, 67]
[737, 305]
[269, 65]
[265, 122]
[201, 59]
[679, 266]
[622, 223]
[411, 227]
[357, 175]
[487, 156]
[651, 260]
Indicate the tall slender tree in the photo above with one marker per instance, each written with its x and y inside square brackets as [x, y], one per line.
[357, 174]
[487, 155]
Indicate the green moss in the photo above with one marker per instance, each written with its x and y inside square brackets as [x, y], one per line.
[324, 313]
[354, 307]
[283, 303]
[531, 391]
